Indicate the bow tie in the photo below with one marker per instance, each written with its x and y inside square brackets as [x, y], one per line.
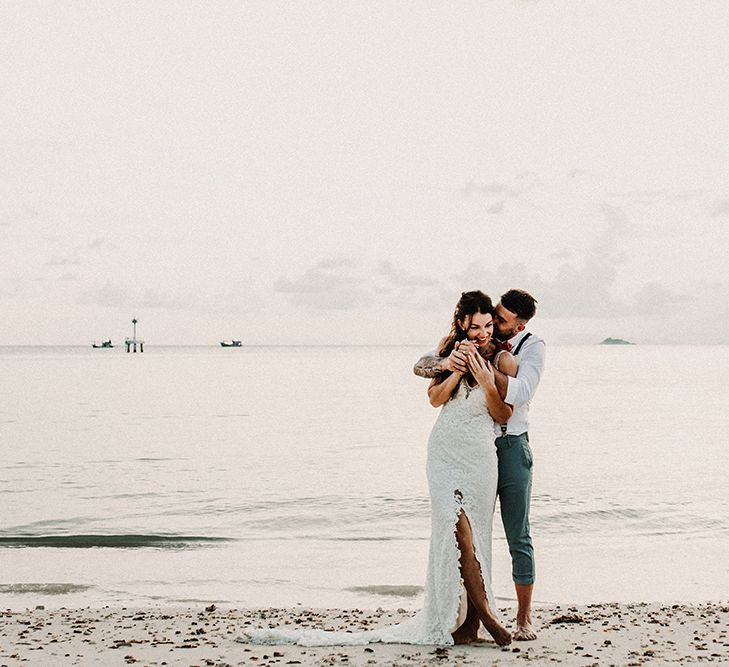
[503, 345]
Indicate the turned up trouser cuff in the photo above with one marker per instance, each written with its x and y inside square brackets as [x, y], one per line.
[515, 490]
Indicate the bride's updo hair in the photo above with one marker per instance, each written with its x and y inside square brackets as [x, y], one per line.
[468, 305]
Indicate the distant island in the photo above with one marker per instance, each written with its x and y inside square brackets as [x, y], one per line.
[616, 341]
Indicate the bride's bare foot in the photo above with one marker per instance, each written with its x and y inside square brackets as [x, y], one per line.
[500, 634]
[524, 631]
[467, 633]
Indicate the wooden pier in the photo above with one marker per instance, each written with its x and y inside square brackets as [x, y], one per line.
[132, 343]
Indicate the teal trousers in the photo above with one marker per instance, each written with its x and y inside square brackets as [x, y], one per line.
[515, 491]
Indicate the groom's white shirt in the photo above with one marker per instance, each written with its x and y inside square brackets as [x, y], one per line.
[521, 389]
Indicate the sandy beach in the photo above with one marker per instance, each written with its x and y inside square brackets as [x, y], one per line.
[603, 634]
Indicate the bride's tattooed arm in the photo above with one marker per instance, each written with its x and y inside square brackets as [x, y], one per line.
[430, 366]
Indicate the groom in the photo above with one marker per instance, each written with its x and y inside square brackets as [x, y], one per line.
[511, 316]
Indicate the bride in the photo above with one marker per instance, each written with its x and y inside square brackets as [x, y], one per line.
[462, 477]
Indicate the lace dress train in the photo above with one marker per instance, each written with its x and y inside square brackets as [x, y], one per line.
[462, 478]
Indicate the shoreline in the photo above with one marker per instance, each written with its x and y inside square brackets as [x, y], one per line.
[596, 634]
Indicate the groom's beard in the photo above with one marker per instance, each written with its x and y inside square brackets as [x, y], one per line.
[506, 335]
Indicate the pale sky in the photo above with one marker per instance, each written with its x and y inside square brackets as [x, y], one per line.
[338, 172]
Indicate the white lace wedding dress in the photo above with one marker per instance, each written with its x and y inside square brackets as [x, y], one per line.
[462, 476]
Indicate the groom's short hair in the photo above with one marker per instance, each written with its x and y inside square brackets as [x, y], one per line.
[523, 304]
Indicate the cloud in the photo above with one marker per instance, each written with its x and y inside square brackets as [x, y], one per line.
[607, 248]
[580, 291]
[102, 243]
[688, 194]
[64, 261]
[579, 286]
[584, 289]
[113, 295]
[574, 285]
[523, 182]
[588, 284]
[639, 196]
[399, 288]
[576, 290]
[617, 221]
[471, 188]
[401, 278]
[720, 208]
[336, 263]
[110, 295]
[152, 298]
[330, 284]
[654, 299]
[344, 284]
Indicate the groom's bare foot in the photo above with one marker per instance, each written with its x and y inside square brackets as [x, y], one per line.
[500, 634]
[467, 633]
[524, 630]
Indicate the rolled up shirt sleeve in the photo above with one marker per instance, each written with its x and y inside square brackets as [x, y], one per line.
[520, 389]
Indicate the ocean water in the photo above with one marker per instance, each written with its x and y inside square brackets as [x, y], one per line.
[262, 476]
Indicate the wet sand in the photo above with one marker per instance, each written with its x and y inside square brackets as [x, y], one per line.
[603, 634]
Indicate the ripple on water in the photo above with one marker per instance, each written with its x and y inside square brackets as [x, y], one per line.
[123, 541]
[402, 591]
[43, 589]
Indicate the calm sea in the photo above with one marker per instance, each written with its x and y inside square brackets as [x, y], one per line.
[275, 476]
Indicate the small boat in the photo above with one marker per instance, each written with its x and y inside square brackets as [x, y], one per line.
[106, 343]
[233, 343]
